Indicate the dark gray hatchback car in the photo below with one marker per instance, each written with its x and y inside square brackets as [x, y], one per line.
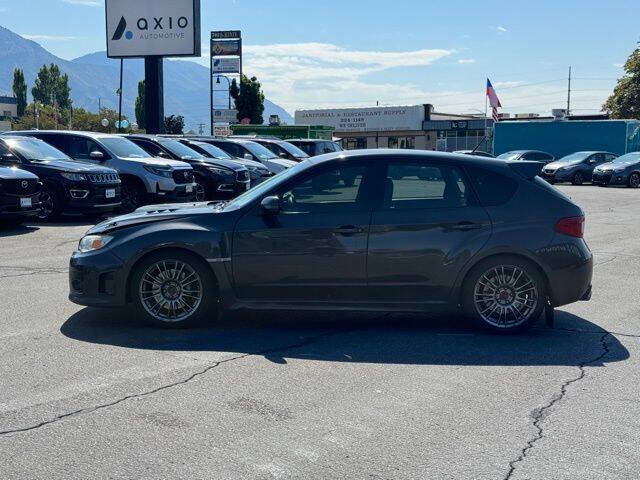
[382, 230]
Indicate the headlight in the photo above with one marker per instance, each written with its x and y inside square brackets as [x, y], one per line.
[91, 243]
[74, 177]
[159, 171]
[220, 171]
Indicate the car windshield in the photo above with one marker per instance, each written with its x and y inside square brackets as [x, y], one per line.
[259, 151]
[628, 158]
[509, 156]
[34, 149]
[574, 158]
[214, 151]
[123, 148]
[307, 147]
[293, 150]
[180, 150]
[265, 186]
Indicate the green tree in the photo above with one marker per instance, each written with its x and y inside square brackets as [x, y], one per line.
[52, 88]
[50, 118]
[141, 117]
[249, 99]
[174, 124]
[20, 90]
[625, 101]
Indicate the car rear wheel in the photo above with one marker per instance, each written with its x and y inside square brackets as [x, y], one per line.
[634, 180]
[173, 289]
[504, 295]
[578, 178]
[132, 196]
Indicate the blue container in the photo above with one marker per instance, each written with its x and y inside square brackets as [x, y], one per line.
[561, 138]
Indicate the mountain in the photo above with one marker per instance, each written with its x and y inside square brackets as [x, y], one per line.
[94, 78]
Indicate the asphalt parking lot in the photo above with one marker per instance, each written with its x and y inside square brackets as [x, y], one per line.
[86, 393]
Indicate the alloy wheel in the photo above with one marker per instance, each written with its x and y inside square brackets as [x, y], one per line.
[578, 179]
[201, 193]
[46, 205]
[505, 296]
[170, 291]
[130, 197]
[634, 180]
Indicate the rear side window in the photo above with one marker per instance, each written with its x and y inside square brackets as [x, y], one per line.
[493, 189]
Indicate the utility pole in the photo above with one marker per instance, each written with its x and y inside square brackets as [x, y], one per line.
[569, 95]
[99, 105]
[120, 97]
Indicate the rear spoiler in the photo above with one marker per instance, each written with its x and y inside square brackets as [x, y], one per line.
[526, 169]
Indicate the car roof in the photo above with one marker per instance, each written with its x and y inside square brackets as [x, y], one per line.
[71, 132]
[310, 140]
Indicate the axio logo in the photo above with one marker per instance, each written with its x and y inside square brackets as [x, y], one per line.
[122, 26]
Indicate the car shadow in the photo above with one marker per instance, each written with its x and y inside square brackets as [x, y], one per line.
[386, 339]
[6, 231]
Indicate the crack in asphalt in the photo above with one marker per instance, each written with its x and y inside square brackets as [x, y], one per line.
[28, 271]
[605, 262]
[87, 410]
[539, 414]
[591, 332]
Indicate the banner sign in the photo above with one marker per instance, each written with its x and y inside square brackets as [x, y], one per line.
[225, 116]
[226, 65]
[142, 28]
[222, 48]
[225, 34]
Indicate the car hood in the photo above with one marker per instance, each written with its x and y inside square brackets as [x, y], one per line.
[230, 164]
[249, 163]
[158, 162]
[11, 173]
[559, 164]
[605, 167]
[72, 166]
[155, 213]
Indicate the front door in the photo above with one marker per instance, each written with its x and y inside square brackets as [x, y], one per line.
[315, 248]
[426, 228]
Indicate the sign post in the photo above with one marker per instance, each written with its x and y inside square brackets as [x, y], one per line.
[225, 58]
[153, 29]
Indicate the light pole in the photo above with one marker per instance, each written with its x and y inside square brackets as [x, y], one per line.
[228, 84]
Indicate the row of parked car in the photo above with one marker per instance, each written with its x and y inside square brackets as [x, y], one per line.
[47, 173]
[599, 168]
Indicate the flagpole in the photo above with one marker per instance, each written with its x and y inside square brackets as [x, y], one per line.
[486, 111]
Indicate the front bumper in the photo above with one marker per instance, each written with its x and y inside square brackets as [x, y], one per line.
[10, 206]
[177, 194]
[556, 176]
[80, 197]
[610, 177]
[97, 280]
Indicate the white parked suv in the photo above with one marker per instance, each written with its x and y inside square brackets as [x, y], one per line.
[145, 179]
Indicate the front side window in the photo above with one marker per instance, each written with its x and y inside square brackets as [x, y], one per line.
[337, 189]
[417, 185]
[81, 148]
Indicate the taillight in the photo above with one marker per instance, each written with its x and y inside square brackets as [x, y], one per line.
[572, 226]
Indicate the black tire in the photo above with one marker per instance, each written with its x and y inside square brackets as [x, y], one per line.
[50, 204]
[202, 191]
[132, 195]
[505, 264]
[199, 278]
[578, 178]
[634, 180]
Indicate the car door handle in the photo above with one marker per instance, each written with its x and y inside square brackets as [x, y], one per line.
[466, 226]
[349, 230]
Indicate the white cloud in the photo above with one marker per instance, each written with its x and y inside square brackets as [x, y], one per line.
[86, 3]
[500, 29]
[464, 61]
[50, 38]
[618, 65]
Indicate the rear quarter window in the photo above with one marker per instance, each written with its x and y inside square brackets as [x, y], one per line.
[493, 188]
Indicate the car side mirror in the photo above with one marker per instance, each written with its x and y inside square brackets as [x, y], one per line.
[270, 205]
[164, 155]
[96, 155]
[247, 156]
[592, 161]
[283, 155]
[9, 157]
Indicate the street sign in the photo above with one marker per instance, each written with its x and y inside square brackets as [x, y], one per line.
[225, 115]
[225, 34]
[222, 48]
[167, 28]
[226, 65]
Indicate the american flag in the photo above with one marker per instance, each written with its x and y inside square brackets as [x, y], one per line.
[494, 101]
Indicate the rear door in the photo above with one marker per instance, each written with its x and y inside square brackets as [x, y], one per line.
[426, 227]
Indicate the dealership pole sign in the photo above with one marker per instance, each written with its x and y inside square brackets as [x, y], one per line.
[226, 59]
[145, 28]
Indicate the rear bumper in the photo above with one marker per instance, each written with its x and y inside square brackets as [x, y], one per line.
[571, 273]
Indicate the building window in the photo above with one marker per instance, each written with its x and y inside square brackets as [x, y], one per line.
[393, 142]
[403, 143]
[357, 143]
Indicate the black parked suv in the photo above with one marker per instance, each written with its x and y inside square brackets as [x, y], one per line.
[258, 173]
[315, 147]
[395, 239]
[19, 195]
[68, 186]
[215, 179]
[283, 149]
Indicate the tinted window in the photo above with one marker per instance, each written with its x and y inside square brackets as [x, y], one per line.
[180, 150]
[307, 147]
[80, 148]
[492, 188]
[231, 148]
[609, 157]
[34, 149]
[335, 190]
[212, 150]
[149, 147]
[420, 186]
[292, 149]
[123, 147]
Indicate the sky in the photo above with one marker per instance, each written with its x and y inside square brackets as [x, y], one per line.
[321, 54]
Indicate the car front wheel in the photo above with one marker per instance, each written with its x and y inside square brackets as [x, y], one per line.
[50, 207]
[173, 289]
[132, 196]
[504, 295]
[634, 180]
[578, 178]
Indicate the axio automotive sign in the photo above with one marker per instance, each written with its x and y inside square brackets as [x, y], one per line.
[141, 28]
[365, 119]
